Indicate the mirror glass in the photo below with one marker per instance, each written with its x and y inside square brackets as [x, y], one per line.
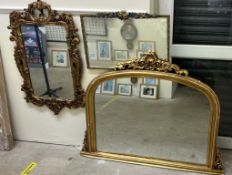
[48, 60]
[152, 118]
[109, 41]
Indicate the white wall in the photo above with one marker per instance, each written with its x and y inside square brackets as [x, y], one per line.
[83, 6]
[34, 123]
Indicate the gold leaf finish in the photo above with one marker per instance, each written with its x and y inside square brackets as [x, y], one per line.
[218, 163]
[151, 66]
[40, 13]
[151, 61]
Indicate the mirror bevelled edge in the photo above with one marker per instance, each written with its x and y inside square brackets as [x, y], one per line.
[150, 65]
[47, 16]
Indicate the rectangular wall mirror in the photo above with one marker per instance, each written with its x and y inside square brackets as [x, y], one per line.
[110, 38]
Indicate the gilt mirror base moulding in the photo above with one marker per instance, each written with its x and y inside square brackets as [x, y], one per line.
[142, 150]
[33, 31]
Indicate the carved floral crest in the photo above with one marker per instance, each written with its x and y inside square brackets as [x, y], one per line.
[123, 15]
[150, 61]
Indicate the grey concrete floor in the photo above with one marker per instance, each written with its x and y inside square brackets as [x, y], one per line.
[57, 77]
[66, 160]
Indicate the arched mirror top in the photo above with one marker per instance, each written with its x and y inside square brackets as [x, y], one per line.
[151, 112]
[47, 56]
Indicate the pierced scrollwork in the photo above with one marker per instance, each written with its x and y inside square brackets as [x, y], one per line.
[85, 142]
[218, 163]
[40, 13]
[123, 15]
[150, 61]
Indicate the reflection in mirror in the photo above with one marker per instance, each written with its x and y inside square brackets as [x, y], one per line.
[152, 118]
[48, 60]
[109, 40]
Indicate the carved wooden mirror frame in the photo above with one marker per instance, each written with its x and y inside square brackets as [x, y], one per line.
[150, 65]
[47, 16]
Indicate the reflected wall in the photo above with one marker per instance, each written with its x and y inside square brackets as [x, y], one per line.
[110, 39]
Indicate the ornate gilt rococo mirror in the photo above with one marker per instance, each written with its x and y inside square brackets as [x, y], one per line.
[48, 57]
[164, 119]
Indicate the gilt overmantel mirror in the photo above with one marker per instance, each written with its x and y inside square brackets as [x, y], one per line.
[47, 56]
[165, 118]
[110, 38]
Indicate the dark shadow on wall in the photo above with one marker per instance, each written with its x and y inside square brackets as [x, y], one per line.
[218, 75]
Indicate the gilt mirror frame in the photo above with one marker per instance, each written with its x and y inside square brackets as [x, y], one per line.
[125, 16]
[150, 65]
[47, 16]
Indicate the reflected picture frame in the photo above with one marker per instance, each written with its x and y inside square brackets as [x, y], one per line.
[92, 50]
[108, 87]
[59, 58]
[146, 46]
[95, 26]
[148, 91]
[140, 53]
[150, 81]
[104, 50]
[121, 55]
[125, 89]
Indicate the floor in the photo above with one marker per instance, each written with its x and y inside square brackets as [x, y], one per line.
[65, 160]
[57, 77]
[155, 128]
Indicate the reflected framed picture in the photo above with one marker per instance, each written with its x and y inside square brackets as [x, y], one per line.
[104, 50]
[92, 50]
[150, 81]
[146, 46]
[59, 58]
[140, 53]
[98, 90]
[125, 89]
[108, 87]
[95, 26]
[121, 55]
[148, 91]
